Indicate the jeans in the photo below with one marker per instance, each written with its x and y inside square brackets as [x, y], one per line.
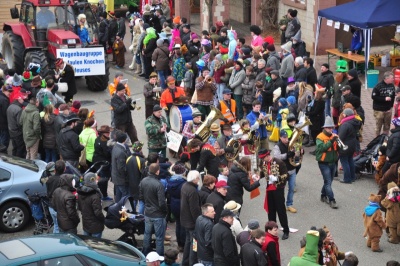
[328, 107]
[189, 256]
[220, 89]
[120, 192]
[139, 206]
[162, 76]
[180, 232]
[98, 235]
[348, 168]
[158, 225]
[291, 185]
[53, 214]
[51, 155]
[239, 106]
[206, 263]
[4, 138]
[327, 171]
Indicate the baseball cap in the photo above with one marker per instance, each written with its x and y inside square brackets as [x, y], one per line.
[221, 184]
[153, 256]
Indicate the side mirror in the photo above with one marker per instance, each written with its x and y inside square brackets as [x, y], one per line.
[14, 12]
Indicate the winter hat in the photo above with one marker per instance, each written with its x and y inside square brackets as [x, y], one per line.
[291, 100]
[325, 65]
[293, 13]
[16, 81]
[205, 42]
[76, 104]
[271, 47]
[348, 112]
[268, 70]
[275, 72]
[160, 42]
[269, 40]
[157, 108]
[253, 224]
[246, 50]
[120, 87]
[283, 101]
[328, 122]
[341, 66]
[353, 73]
[345, 88]
[396, 121]
[90, 179]
[287, 46]
[255, 29]
[176, 20]
[291, 80]
[178, 168]
[137, 146]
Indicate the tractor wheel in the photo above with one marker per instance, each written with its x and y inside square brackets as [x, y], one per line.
[99, 82]
[13, 51]
[37, 57]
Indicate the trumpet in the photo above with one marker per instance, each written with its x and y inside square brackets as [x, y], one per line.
[133, 105]
[341, 145]
[210, 80]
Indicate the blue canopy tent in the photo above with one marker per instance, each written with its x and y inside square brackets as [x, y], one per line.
[363, 14]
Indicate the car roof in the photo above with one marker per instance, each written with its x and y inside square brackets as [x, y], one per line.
[35, 165]
[41, 245]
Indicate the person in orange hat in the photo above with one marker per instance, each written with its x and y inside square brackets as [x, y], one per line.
[170, 94]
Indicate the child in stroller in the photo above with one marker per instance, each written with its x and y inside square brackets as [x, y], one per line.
[122, 215]
[364, 162]
[39, 204]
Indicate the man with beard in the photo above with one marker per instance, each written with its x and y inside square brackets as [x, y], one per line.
[340, 81]
[326, 81]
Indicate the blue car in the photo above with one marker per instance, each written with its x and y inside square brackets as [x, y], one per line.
[16, 176]
[68, 249]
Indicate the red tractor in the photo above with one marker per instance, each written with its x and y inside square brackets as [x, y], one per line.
[45, 26]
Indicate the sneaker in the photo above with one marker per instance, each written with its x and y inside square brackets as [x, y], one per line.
[106, 198]
[291, 209]
[285, 236]
[333, 204]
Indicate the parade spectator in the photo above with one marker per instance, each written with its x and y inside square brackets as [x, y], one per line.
[171, 257]
[236, 226]
[87, 138]
[203, 234]
[152, 192]
[245, 236]
[326, 82]
[68, 142]
[49, 134]
[248, 86]
[4, 104]
[235, 84]
[64, 203]
[223, 242]
[14, 112]
[153, 259]
[149, 45]
[217, 198]
[393, 146]
[251, 252]
[354, 82]
[256, 40]
[383, 96]
[31, 128]
[118, 167]
[207, 188]
[89, 203]
[190, 211]
[56, 170]
[316, 115]
[396, 105]
[293, 26]
[300, 71]
[311, 72]
[160, 57]
[274, 60]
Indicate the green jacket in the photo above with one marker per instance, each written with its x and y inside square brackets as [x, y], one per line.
[310, 255]
[156, 138]
[87, 138]
[326, 151]
[31, 125]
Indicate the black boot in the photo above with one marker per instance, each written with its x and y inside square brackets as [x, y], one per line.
[310, 143]
[306, 139]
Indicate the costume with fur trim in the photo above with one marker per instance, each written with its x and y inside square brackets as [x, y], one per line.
[392, 205]
[373, 222]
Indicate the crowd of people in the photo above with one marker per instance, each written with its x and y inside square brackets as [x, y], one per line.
[275, 96]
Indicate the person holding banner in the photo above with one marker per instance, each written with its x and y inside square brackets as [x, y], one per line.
[156, 129]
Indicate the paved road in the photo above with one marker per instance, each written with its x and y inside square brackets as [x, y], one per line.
[345, 223]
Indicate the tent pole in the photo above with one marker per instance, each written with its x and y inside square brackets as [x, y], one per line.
[316, 39]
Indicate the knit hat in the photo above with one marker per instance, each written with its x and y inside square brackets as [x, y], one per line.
[137, 146]
[90, 179]
[353, 73]
[269, 40]
[396, 121]
[178, 169]
[287, 46]
[345, 88]
[271, 47]
[157, 108]
[325, 65]
[59, 61]
[194, 36]
[76, 104]
[255, 29]
[205, 42]
[120, 87]
[275, 72]
[291, 100]
[176, 20]
[16, 81]
[268, 70]
[160, 42]
[253, 224]
[283, 101]
[348, 112]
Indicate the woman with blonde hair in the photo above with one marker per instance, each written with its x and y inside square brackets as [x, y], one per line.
[87, 139]
[305, 96]
[166, 10]
[136, 63]
[49, 134]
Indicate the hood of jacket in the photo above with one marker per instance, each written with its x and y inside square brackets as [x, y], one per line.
[352, 120]
[274, 54]
[175, 181]
[66, 182]
[87, 190]
[371, 208]
[30, 108]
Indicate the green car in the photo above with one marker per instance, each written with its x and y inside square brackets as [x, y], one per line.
[68, 249]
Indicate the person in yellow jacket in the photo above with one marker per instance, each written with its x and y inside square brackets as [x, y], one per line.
[87, 138]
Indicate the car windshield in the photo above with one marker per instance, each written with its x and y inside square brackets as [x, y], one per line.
[27, 164]
[110, 248]
[54, 17]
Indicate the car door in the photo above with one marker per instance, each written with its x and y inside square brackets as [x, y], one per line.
[6, 182]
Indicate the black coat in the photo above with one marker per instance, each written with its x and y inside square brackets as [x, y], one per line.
[326, 80]
[58, 123]
[300, 74]
[237, 180]
[203, 194]
[68, 76]
[218, 201]
[4, 103]
[348, 135]
[190, 205]
[64, 203]
[150, 47]
[393, 146]
[251, 254]
[224, 245]
[209, 161]
[203, 235]
[267, 96]
[118, 166]
[122, 111]
[48, 133]
[134, 172]
[355, 85]
[312, 76]
[316, 114]
[89, 203]
[152, 192]
[52, 183]
[102, 152]
[68, 144]
[278, 83]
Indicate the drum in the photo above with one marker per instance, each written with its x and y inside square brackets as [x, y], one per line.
[178, 115]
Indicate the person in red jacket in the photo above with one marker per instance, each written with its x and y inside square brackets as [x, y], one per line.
[271, 244]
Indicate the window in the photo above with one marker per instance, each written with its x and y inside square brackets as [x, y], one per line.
[4, 175]
[91, 262]
[299, 4]
[67, 261]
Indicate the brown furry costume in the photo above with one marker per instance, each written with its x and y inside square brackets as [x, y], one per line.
[380, 164]
[390, 202]
[391, 175]
[373, 222]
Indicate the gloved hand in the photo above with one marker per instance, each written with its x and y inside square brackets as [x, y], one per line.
[229, 150]
[272, 178]
[128, 101]
[250, 141]
[334, 138]
[133, 102]
[290, 154]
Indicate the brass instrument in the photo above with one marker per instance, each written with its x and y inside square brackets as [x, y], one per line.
[157, 95]
[341, 145]
[296, 143]
[209, 80]
[133, 105]
[203, 132]
[236, 145]
[253, 148]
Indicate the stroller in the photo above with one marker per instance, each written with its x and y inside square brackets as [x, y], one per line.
[39, 204]
[134, 224]
[363, 162]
